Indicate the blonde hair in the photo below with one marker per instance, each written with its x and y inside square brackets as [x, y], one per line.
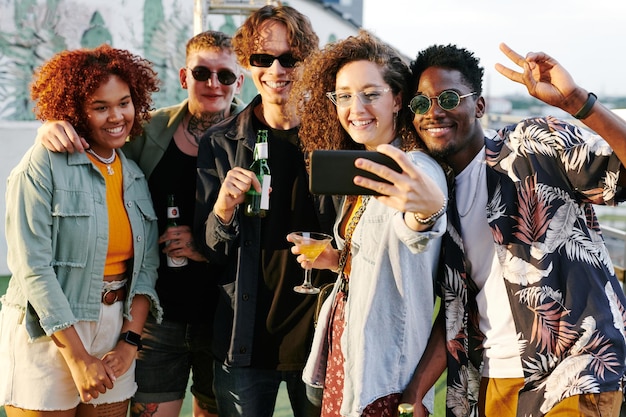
[211, 39]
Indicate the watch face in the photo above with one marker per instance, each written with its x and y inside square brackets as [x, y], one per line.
[132, 338]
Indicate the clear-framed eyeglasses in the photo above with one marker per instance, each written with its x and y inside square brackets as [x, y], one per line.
[344, 99]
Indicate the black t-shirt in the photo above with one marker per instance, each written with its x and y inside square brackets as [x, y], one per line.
[284, 321]
[187, 294]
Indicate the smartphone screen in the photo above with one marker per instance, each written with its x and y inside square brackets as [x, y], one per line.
[332, 172]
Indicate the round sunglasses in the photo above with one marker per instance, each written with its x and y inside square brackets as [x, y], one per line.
[447, 100]
[224, 76]
[266, 60]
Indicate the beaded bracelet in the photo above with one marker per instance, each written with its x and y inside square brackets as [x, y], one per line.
[586, 108]
[430, 220]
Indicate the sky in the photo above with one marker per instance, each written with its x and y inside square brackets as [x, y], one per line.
[587, 37]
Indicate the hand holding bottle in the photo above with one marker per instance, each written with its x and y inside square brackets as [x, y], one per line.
[248, 186]
[173, 260]
[233, 191]
[257, 202]
[181, 243]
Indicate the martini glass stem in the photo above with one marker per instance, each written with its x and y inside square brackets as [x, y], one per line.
[307, 278]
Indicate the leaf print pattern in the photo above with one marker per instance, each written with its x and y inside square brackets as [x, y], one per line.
[605, 360]
[580, 248]
[549, 331]
[617, 309]
[610, 185]
[544, 175]
[457, 399]
[565, 380]
[560, 228]
[518, 271]
[532, 221]
[495, 207]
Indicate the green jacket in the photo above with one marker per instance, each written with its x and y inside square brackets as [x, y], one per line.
[148, 149]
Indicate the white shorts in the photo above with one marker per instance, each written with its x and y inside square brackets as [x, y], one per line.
[34, 375]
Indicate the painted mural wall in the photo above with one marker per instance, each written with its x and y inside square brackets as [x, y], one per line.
[31, 31]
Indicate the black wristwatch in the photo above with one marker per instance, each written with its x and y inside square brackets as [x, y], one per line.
[131, 338]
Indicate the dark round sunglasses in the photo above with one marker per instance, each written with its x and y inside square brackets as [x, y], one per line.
[447, 100]
[266, 60]
[224, 76]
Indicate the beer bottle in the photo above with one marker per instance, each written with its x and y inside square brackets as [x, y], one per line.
[405, 410]
[172, 215]
[255, 203]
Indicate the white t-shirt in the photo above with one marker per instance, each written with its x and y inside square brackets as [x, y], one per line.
[501, 354]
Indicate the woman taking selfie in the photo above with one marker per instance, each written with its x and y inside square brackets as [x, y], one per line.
[376, 323]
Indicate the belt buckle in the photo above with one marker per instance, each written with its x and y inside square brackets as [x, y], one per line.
[106, 299]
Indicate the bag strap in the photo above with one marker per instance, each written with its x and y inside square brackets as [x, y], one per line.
[343, 258]
[327, 289]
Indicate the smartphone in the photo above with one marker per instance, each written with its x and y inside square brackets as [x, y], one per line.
[332, 172]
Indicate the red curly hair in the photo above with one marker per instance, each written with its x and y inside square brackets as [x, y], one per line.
[63, 86]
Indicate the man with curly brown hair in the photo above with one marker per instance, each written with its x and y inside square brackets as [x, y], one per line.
[263, 328]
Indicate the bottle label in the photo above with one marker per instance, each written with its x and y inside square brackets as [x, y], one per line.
[172, 213]
[265, 192]
[261, 151]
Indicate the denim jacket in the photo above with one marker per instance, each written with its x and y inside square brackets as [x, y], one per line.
[390, 305]
[57, 229]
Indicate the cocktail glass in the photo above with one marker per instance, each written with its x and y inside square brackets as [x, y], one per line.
[311, 244]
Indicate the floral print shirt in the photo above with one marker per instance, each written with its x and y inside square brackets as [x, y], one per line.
[543, 175]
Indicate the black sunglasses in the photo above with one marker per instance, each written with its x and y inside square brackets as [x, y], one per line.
[266, 60]
[224, 76]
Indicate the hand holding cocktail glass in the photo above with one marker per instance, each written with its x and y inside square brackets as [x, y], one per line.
[310, 245]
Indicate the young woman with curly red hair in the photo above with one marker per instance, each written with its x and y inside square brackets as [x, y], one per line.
[83, 248]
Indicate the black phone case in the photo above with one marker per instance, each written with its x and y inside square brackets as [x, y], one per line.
[332, 172]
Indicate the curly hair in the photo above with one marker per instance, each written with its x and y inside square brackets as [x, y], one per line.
[208, 40]
[319, 125]
[63, 86]
[450, 57]
[300, 34]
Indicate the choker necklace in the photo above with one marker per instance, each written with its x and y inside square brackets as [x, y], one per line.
[107, 161]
